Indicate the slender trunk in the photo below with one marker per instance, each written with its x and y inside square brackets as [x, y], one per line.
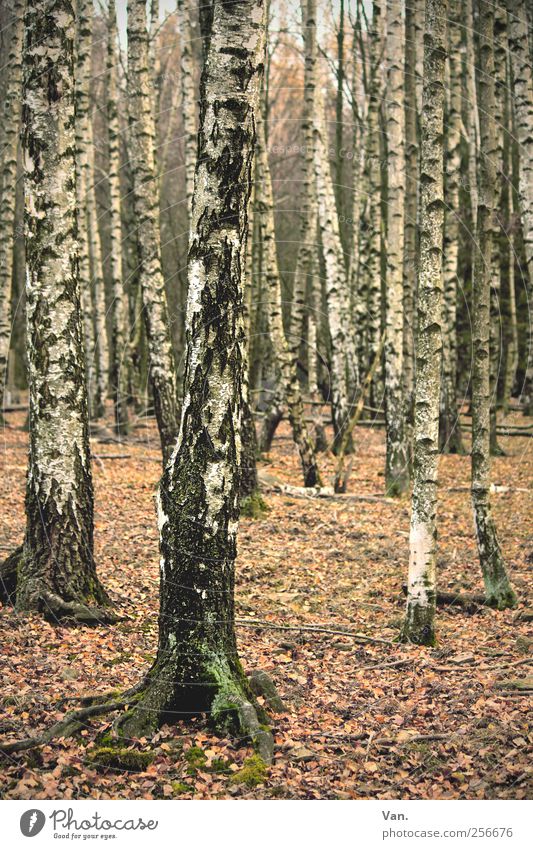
[197, 666]
[523, 107]
[421, 598]
[450, 440]
[8, 180]
[497, 587]
[56, 571]
[471, 110]
[154, 56]
[83, 80]
[285, 363]
[397, 462]
[162, 366]
[98, 291]
[119, 364]
[338, 308]
[339, 125]
[411, 209]
[500, 56]
[373, 161]
[188, 99]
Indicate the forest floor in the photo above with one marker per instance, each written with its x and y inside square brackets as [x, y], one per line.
[374, 720]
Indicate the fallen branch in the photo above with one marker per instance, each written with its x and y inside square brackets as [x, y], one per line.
[270, 482]
[247, 623]
[469, 601]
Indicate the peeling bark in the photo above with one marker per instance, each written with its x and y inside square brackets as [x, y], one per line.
[56, 566]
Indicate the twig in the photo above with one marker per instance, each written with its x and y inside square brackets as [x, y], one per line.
[313, 629]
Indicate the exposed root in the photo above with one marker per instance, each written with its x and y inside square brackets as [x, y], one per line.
[8, 577]
[55, 608]
[261, 684]
[470, 602]
[66, 727]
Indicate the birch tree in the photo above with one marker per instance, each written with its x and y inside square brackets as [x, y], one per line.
[497, 587]
[287, 378]
[83, 80]
[8, 176]
[55, 570]
[522, 79]
[162, 366]
[421, 598]
[119, 367]
[397, 464]
[450, 440]
[187, 98]
[197, 666]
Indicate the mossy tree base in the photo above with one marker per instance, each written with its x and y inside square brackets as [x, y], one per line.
[221, 690]
[419, 625]
[498, 590]
[95, 609]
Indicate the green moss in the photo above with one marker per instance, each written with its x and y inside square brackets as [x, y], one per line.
[114, 757]
[179, 787]
[220, 766]
[254, 506]
[196, 759]
[254, 771]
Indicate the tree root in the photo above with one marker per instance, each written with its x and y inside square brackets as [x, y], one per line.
[53, 606]
[66, 727]
[261, 684]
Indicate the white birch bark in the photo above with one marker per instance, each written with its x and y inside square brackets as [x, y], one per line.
[188, 100]
[197, 666]
[118, 315]
[56, 572]
[338, 308]
[8, 177]
[497, 587]
[285, 362]
[421, 597]
[161, 357]
[397, 464]
[520, 52]
[450, 427]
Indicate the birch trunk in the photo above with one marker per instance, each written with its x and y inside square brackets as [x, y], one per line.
[197, 668]
[188, 100]
[56, 571]
[450, 440]
[119, 364]
[83, 80]
[523, 107]
[373, 161]
[341, 335]
[161, 357]
[411, 206]
[98, 292]
[497, 587]
[421, 596]
[8, 179]
[397, 463]
[500, 59]
[471, 109]
[287, 378]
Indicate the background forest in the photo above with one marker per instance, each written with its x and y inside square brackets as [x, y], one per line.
[281, 253]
